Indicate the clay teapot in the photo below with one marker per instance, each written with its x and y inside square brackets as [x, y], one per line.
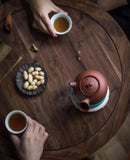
[89, 89]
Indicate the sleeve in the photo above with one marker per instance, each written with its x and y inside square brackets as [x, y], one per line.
[128, 2]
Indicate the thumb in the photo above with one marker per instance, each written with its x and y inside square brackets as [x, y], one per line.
[15, 140]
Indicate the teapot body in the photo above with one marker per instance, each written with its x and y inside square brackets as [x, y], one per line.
[89, 91]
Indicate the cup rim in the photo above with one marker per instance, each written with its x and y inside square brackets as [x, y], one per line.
[67, 17]
[7, 121]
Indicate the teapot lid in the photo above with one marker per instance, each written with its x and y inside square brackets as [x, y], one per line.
[89, 85]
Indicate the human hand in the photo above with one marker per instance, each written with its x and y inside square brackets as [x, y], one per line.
[41, 10]
[30, 146]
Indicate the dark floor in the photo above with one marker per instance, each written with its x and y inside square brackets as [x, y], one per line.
[119, 146]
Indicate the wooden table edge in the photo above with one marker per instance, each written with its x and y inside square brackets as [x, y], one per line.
[125, 79]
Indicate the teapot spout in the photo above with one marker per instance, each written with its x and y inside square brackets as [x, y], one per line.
[73, 84]
[84, 105]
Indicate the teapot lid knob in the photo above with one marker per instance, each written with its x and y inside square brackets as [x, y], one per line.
[89, 85]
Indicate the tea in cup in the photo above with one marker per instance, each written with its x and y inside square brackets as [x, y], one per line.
[16, 122]
[61, 23]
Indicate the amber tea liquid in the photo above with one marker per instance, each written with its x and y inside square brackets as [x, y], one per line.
[61, 24]
[17, 122]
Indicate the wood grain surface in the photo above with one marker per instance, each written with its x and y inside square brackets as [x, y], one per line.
[103, 46]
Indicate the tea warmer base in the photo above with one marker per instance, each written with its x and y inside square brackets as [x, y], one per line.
[102, 105]
[92, 109]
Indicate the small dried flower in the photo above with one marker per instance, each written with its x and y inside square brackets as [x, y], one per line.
[78, 55]
[34, 48]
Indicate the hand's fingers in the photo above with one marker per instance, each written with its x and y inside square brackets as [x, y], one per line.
[40, 26]
[30, 126]
[41, 129]
[29, 119]
[47, 22]
[37, 127]
[15, 140]
[30, 122]
[45, 136]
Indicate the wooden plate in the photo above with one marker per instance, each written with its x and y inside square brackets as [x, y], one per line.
[20, 80]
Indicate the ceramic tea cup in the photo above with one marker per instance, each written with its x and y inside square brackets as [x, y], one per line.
[61, 23]
[16, 122]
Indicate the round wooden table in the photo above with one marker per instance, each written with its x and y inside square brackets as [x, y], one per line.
[103, 46]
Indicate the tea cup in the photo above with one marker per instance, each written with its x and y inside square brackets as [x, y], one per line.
[61, 23]
[16, 122]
